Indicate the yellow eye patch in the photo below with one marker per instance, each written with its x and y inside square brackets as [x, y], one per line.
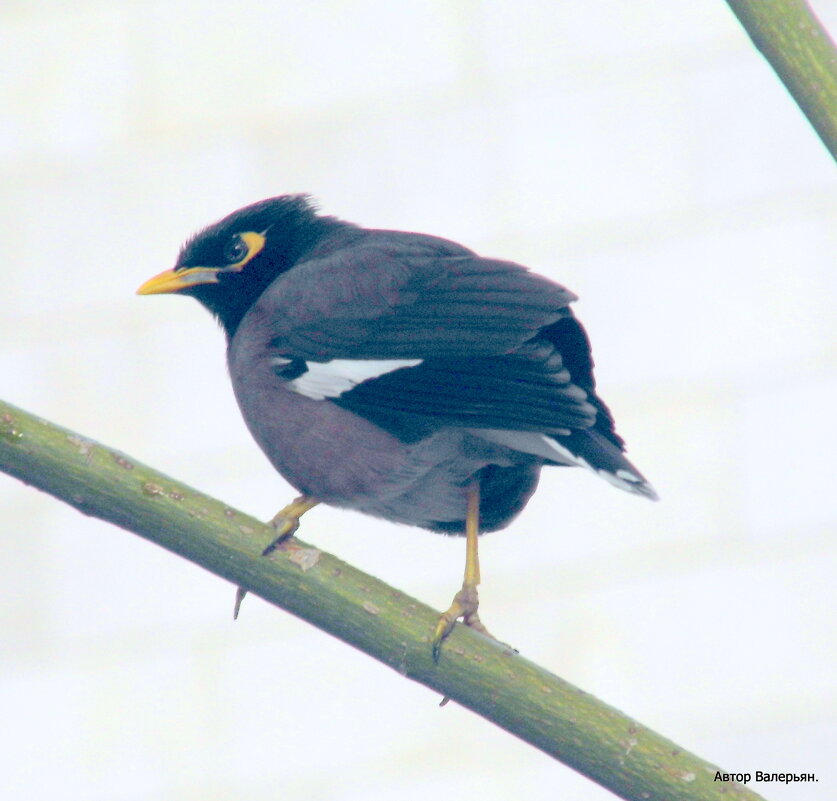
[243, 248]
[254, 243]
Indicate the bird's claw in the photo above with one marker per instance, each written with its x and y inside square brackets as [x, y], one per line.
[465, 605]
[286, 524]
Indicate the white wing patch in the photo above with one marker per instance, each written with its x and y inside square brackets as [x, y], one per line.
[325, 380]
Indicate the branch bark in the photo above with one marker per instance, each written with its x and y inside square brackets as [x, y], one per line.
[566, 723]
[792, 39]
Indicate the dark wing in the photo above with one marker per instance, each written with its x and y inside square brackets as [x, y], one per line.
[526, 390]
[471, 332]
[570, 339]
[407, 295]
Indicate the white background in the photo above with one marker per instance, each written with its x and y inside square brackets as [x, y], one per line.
[644, 155]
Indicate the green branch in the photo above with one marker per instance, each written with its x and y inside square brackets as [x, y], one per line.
[791, 38]
[561, 720]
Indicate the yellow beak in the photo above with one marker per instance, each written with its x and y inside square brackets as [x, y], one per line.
[178, 280]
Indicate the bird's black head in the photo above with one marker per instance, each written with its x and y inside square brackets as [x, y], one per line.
[229, 264]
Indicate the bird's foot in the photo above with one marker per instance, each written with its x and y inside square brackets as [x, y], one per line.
[465, 605]
[286, 523]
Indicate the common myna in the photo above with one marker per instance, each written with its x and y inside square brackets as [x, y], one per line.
[399, 374]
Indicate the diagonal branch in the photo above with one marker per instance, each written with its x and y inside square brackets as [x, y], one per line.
[526, 700]
[797, 46]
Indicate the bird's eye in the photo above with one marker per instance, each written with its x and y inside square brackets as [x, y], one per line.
[236, 250]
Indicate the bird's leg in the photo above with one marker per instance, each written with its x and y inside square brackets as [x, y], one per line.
[286, 523]
[466, 601]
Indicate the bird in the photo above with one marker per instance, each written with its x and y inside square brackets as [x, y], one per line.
[399, 374]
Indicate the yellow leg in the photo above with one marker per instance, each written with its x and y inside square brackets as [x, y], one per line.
[286, 522]
[466, 601]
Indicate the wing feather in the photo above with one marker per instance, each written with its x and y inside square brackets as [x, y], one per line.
[477, 325]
